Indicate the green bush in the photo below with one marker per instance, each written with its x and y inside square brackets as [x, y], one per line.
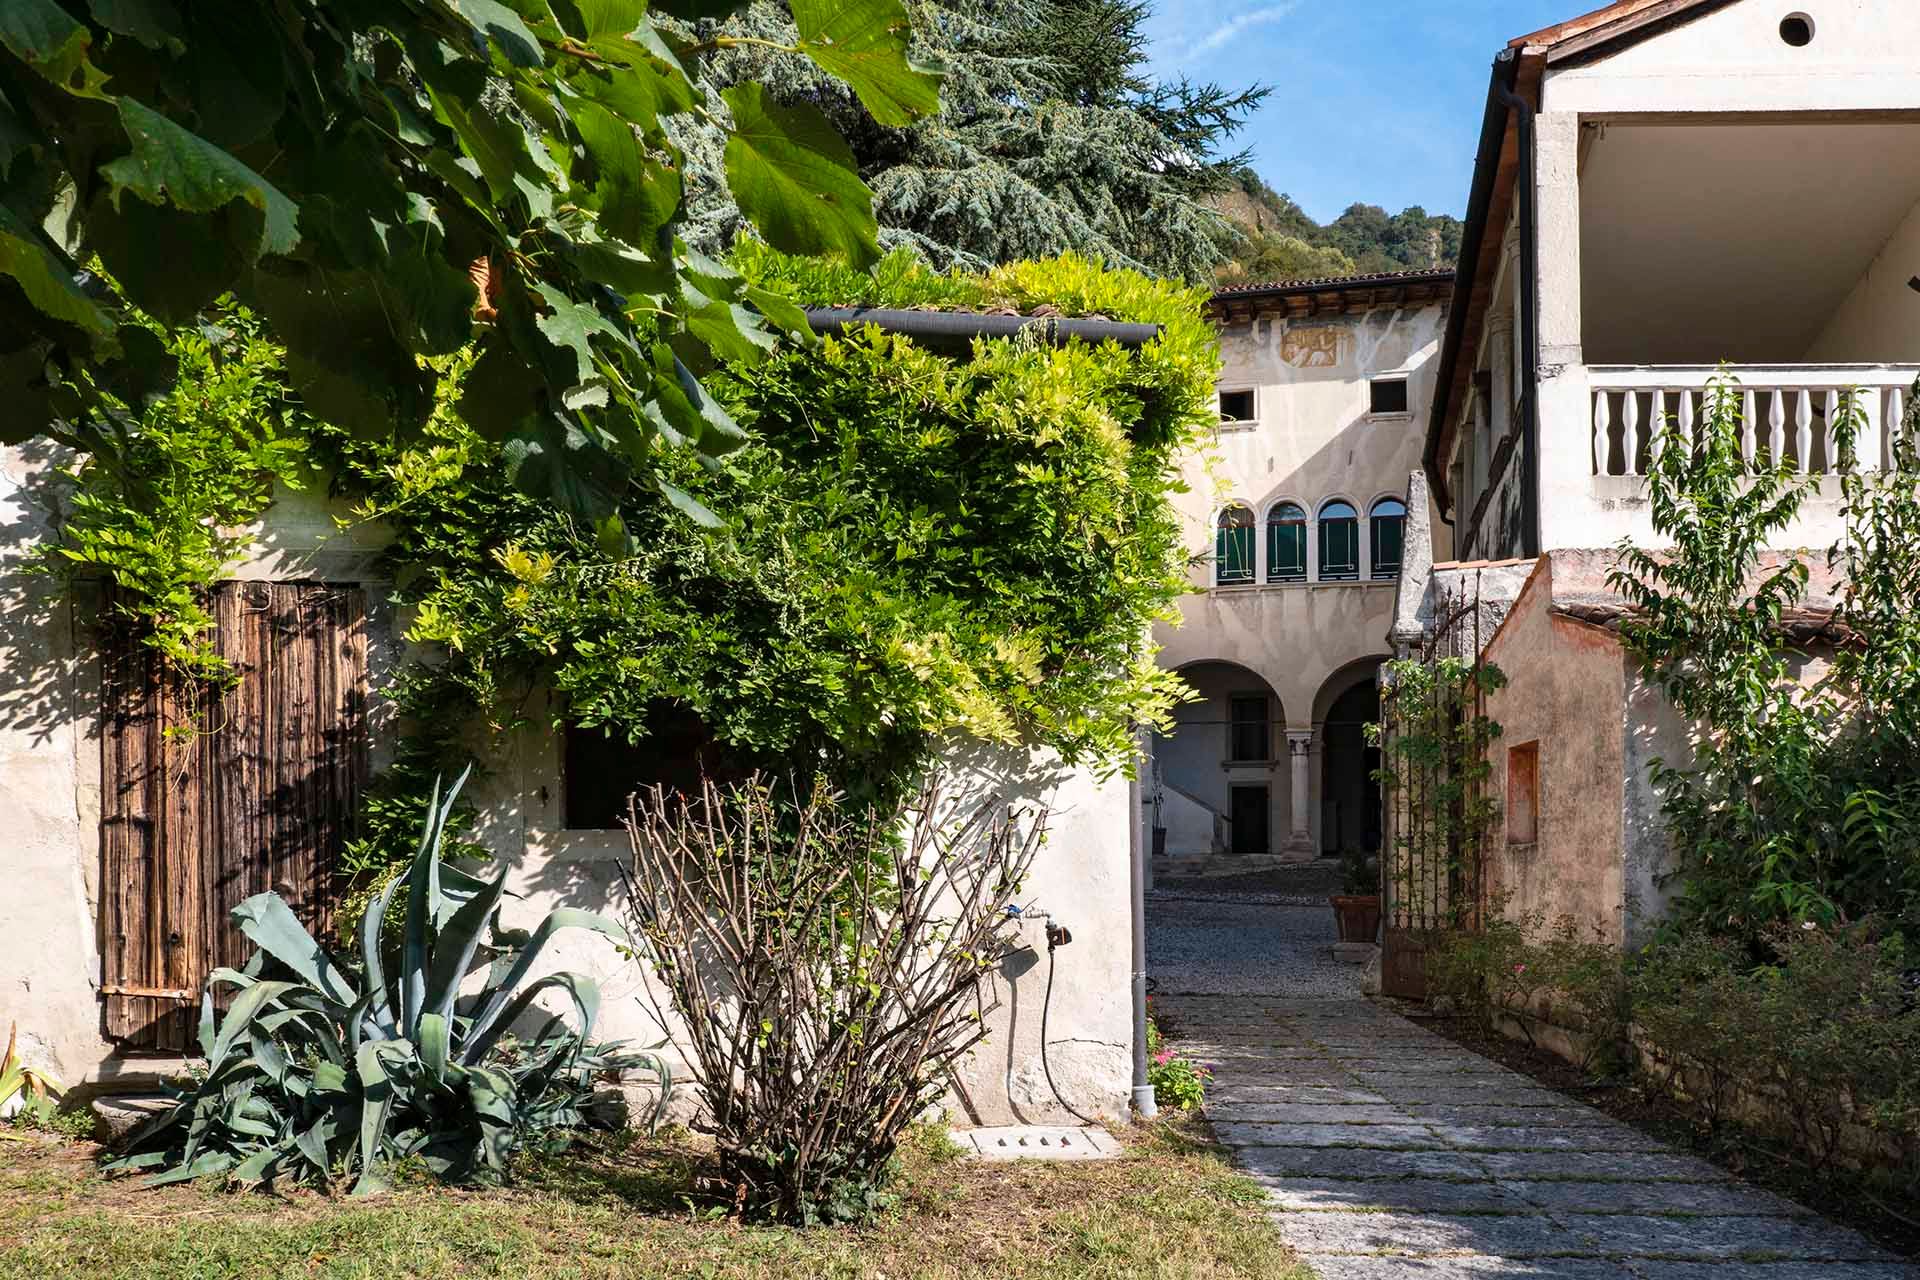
[1795, 804]
[316, 1070]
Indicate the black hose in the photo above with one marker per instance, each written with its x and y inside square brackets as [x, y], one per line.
[1046, 1005]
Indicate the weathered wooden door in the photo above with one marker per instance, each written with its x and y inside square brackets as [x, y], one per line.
[209, 798]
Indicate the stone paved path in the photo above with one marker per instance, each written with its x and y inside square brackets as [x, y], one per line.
[1391, 1152]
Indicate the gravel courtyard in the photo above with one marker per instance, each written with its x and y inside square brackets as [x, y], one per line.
[1202, 942]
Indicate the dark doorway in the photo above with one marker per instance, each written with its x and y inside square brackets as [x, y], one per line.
[1350, 798]
[1250, 806]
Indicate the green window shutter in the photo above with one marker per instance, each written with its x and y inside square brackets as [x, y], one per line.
[1287, 545]
[1233, 546]
[1339, 542]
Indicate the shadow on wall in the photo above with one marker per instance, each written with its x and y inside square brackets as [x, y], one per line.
[39, 671]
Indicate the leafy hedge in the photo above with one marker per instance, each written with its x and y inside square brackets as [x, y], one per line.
[1816, 1049]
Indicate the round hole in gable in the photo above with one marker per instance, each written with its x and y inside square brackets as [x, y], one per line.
[1797, 30]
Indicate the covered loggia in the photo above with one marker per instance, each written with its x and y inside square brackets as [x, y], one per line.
[1219, 785]
[1349, 795]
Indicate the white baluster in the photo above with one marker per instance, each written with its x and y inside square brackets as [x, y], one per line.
[1803, 431]
[1776, 422]
[1832, 448]
[1895, 422]
[1630, 431]
[1602, 446]
[1686, 418]
[1749, 429]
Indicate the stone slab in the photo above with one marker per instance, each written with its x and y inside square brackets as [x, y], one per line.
[1599, 1166]
[1499, 1235]
[1354, 1163]
[1587, 1138]
[1717, 1239]
[1037, 1142]
[1503, 1114]
[1392, 1137]
[1423, 1195]
[1305, 1113]
[1352, 1267]
[1654, 1269]
[1717, 1198]
[1241, 1089]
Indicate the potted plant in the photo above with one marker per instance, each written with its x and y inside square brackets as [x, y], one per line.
[1357, 911]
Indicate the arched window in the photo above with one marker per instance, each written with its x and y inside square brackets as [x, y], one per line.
[1387, 534]
[1339, 542]
[1233, 549]
[1286, 543]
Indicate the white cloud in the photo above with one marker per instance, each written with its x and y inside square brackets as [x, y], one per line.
[1223, 33]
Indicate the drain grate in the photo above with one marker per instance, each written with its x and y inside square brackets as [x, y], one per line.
[1037, 1142]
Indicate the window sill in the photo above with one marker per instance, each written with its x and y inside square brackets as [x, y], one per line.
[1238, 424]
[1237, 587]
[1390, 417]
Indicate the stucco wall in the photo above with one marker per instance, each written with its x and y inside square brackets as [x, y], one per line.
[1733, 59]
[1881, 314]
[1566, 692]
[49, 794]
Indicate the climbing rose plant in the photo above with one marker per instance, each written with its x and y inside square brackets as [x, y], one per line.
[389, 182]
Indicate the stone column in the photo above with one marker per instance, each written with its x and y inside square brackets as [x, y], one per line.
[1300, 757]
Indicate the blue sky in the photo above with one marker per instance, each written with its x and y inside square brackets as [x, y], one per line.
[1373, 100]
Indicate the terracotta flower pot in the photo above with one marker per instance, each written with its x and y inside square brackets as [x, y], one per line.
[1358, 916]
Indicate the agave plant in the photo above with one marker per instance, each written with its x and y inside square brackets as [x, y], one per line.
[32, 1086]
[317, 1070]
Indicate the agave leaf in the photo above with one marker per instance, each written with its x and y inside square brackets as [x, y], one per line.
[208, 1162]
[205, 1036]
[493, 1097]
[255, 1168]
[271, 925]
[312, 1143]
[457, 944]
[328, 1078]
[586, 1003]
[457, 888]
[382, 995]
[240, 1015]
[434, 1044]
[487, 1023]
[423, 898]
[378, 1093]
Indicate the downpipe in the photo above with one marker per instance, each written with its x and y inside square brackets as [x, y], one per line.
[1143, 1104]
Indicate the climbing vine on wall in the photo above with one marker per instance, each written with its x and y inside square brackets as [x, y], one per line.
[916, 545]
[163, 489]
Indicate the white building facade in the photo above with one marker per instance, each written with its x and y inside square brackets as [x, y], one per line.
[1297, 520]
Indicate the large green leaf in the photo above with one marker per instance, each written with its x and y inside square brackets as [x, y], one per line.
[634, 195]
[864, 42]
[154, 23]
[582, 991]
[554, 460]
[170, 165]
[46, 281]
[497, 23]
[794, 179]
[269, 923]
[47, 38]
[376, 1105]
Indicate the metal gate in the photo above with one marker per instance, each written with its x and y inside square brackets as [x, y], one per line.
[1434, 770]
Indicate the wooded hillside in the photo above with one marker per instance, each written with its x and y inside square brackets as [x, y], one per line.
[1283, 243]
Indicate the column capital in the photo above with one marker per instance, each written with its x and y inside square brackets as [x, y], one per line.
[1299, 741]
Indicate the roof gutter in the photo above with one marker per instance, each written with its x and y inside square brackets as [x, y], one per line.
[1486, 167]
[959, 329]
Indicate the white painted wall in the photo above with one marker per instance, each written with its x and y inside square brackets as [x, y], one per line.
[1733, 59]
[50, 859]
[1882, 313]
[1313, 439]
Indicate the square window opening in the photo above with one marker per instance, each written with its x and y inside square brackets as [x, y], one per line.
[1236, 406]
[1387, 395]
[599, 770]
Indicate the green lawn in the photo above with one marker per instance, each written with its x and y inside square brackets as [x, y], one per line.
[1170, 1208]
